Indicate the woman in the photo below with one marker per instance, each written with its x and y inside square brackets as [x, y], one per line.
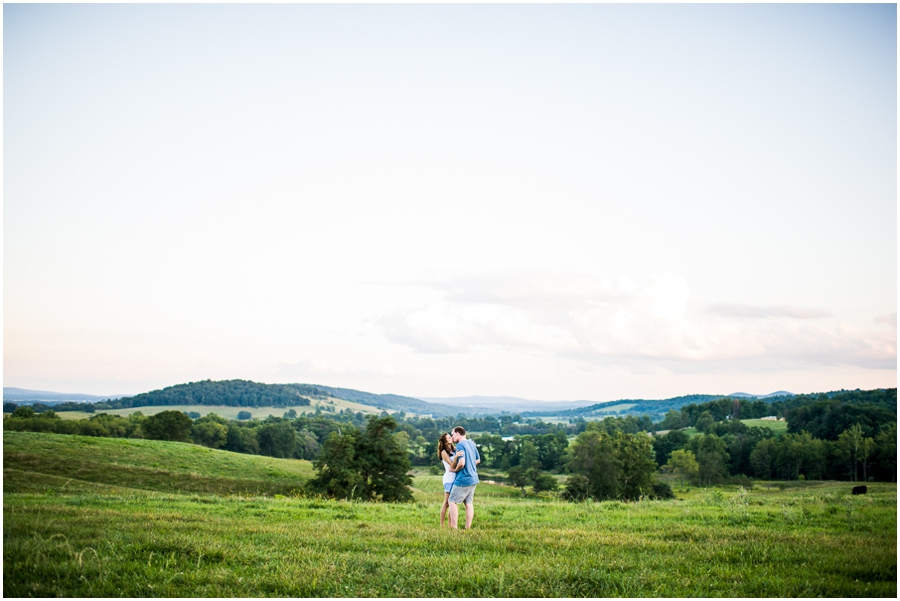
[447, 453]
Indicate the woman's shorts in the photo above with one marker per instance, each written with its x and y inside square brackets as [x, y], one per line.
[448, 486]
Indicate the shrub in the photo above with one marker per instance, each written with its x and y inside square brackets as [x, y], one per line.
[578, 488]
[661, 490]
[23, 411]
[545, 481]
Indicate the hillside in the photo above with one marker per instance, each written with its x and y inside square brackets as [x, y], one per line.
[245, 393]
[655, 409]
[35, 461]
[389, 401]
[233, 393]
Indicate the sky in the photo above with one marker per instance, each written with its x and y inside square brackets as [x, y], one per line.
[555, 202]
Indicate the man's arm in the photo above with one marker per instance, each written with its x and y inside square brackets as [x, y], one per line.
[460, 461]
[453, 460]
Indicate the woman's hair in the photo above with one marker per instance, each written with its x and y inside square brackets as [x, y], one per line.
[445, 444]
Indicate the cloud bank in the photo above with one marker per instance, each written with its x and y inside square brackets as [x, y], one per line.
[631, 323]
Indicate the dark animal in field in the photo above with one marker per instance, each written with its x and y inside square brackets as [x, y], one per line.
[859, 490]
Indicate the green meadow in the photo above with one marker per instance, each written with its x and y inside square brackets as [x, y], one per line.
[330, 405]
[777, 427]
[92, 517]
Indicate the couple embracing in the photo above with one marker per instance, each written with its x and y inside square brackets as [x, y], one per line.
[459, 457]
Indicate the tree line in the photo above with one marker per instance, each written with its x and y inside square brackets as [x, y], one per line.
[845, 436]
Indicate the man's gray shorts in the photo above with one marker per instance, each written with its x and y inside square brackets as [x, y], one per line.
[462, 494]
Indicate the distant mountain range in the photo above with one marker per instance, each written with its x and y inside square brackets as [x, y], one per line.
[23, 395]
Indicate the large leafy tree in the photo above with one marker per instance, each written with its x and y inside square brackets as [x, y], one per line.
[277, 439]
[762, 458]
[886, 457]
[168, 425]
[664, 445]
[683, 464]
[618, 466]
[712, 457]
[635, 452]
[594, 458]
[367, 465]
[337, 475]
[383, 464]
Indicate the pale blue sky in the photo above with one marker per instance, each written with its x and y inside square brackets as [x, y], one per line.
[547, 201]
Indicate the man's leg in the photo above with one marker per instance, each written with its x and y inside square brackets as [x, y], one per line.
[470, 513]
[454, 514]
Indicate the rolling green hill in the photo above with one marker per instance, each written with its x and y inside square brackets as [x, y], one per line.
[35, 461]
[655, 409]
[244, 393]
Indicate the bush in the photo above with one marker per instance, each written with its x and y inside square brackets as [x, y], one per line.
[23, 411]
[242, 415]
[578, 488]
[661, 490]
[545, 481]
[741, 480]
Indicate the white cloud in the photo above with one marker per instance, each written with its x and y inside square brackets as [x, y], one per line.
[752, 311]
[310, 371]
[628, 323]
[890, 320]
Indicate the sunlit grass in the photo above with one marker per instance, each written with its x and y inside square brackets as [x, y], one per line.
[95, 539]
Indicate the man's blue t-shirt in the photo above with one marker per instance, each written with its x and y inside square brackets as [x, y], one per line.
[468, 475]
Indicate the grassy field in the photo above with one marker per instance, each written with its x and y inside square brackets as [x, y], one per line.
[778, 427]
[36, 461]
[108, 535]
[231, 412]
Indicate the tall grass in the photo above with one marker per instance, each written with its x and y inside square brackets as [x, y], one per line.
[103, 540]
[31, 457]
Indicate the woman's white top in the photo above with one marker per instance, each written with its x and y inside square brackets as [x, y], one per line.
[449, 476]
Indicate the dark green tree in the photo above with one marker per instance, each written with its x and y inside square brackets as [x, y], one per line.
[368, 465]
[635, 454]
[209, 433]
[704, 422]
[594, 457]
[712, 457]
[23, 411]
[383, 465]
[886, 453]
[664, 445]
[277, 439]
[518, 477]
[578, 488]
[336, 468]
[168, 425]
[541, 481]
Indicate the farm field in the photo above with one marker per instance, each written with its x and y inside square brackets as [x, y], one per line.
[73, 531]
[778, 427]
[231, 412]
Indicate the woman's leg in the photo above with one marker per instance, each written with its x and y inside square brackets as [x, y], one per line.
[444, 508]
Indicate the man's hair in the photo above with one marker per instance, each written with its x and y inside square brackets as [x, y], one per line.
[460, 430]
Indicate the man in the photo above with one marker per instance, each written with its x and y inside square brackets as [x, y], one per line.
[463, 489]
